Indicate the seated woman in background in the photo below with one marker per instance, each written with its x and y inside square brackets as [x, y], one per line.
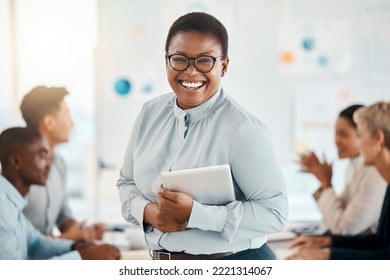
[356, 210]
[373, 126]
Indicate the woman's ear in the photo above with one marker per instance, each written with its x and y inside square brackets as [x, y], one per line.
[225, 64]
[166, 64]
[380, 138]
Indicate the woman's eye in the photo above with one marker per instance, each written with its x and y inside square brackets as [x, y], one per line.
[205, 60]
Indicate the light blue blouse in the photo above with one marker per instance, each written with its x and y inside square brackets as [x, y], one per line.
[216, 132]
[18, 237]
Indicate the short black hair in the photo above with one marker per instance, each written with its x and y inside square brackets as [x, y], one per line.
[202, 23]
[348, 112]
[40, 101]
[14, 139]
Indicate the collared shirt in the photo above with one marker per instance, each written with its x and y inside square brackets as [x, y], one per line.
[48, 205]
[219, 131]
[18, 237]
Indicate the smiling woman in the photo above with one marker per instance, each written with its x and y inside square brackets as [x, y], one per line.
[199, 125]
[194, 83]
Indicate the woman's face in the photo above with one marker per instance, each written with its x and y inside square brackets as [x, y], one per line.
[192, 87]
[347, 140]
[367, 145]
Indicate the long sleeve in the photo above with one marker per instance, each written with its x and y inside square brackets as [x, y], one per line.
[374, 246]
[351, 254]
[258, 175]
[28, 243]
[132, 199]
[65, 212]
[362, 242]
[359, 205]
[42, 247]
[358, 248]
[19, 239]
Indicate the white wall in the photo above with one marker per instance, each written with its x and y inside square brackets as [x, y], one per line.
[86, 45]
[53, 46]
[6, 100]
[286, 97]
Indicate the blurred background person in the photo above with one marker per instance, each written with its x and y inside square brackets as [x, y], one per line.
[373, 126]
[356, 210]
[44, 109]
[25, 161]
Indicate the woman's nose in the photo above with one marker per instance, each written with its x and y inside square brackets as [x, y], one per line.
[191, 69]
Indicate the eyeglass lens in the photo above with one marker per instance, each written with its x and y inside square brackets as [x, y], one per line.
[201, 63]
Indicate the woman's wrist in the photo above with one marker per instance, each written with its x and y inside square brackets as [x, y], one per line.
[320, 190]
[325, 184]
[149, 212]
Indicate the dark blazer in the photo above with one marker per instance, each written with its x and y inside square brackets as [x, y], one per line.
[366, 247]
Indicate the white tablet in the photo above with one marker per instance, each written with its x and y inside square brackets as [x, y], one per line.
[212, 185]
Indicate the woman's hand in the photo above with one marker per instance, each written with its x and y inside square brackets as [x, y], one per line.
[175, 206]
[309, 241]
[311, 254]
[323, 171]
[171, 211]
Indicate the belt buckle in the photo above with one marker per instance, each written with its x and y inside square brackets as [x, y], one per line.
[164, 254]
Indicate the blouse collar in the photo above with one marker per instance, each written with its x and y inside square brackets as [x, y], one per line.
[199, 112]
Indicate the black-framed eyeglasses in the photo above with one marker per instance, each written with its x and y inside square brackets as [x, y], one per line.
[202, 63]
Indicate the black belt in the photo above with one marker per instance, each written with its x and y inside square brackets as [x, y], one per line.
[165, 255]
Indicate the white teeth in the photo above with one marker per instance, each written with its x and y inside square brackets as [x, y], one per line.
[192, 84]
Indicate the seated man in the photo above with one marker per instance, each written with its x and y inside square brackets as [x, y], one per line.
[45, 109]
[24, 160]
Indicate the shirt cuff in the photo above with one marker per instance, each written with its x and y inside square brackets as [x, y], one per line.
[138, 208]
[321, 192]
[206, 217]
[317, 194]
